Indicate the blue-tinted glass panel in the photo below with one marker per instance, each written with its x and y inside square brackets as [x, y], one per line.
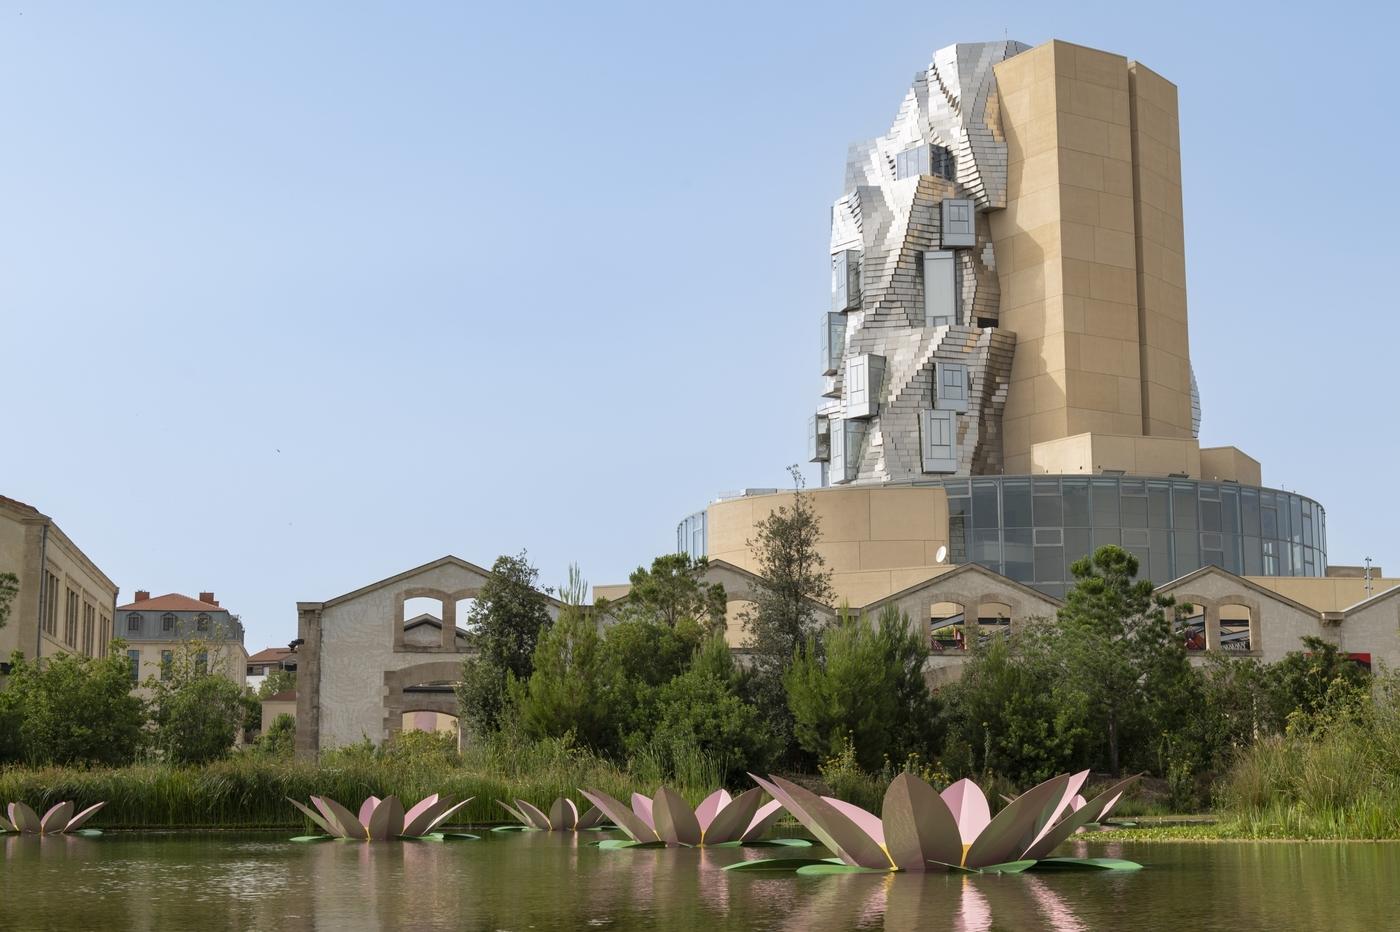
[1017, 556]
[1076, 494]
[1105, 500]
[1016, 503]
[986, 515]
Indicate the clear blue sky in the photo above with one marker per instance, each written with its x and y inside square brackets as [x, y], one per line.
[296, 296]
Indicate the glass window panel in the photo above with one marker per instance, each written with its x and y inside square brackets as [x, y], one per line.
[1184, 507]
[1049, 537]
[1210, 515]
[1161, 550]
[1105, 536]
[1075, 547]
[1295, 509]
[1046, 486]
[1049, 510]
[1159, 505]
[1144, 561]
[1232, 553]
[1186, 552]
[1049, 564]
[1212, 558]
[958, 487]
[986, 549]
[957, 538]
[1209, 492]
[1268, 520]
[1134, 511]
[1106, 503]
[1229, 511]
[986, 514]
[1253, 557]
[1076, 497]
[1017, 554]
[1249, 511]
[958, 505]
[1271, 561]
[1016, 502]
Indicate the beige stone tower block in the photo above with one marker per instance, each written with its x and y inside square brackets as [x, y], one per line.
[1161, 254]
[1094, 293]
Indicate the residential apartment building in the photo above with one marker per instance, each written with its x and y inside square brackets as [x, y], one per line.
[155, 629]
[65, 603]
[266, 661]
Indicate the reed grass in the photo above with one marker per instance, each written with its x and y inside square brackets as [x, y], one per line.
[251, 791]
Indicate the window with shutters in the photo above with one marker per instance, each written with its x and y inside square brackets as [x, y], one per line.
[959, 229]
[940, 288]
[952, 386]
[939, 436]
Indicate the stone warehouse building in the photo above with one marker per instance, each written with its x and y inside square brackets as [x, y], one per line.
[376, 660]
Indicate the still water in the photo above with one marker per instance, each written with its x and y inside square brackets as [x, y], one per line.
[510, 881]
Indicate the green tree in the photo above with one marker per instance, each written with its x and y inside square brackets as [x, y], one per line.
[9, 588]
[673, 590]
[280, 738]
[866, 683]
[567, 691]
[68, 709]
[1119, 653]
[1004, 716]
[702, 712]
[793, 584]
[276, 682]
[1310, 685]
[504, 628]
[197, 710]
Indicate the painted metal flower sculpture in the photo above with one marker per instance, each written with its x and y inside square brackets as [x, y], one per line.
[58, 820]
[667, 820]
[562, 817]
[382, 819]
[920, 829]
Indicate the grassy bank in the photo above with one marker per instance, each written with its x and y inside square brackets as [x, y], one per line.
[248, 791]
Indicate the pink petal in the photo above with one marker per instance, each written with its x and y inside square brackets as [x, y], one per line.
[709, 807]
[869, 822]
[968, 804]
[642, 807]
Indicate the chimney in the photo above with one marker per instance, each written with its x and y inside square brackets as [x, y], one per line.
[207, 597]
[142, 595]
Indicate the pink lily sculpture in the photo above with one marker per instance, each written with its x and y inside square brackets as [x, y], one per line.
[58, 820]
[922, 830]
[563, 817]
[667, 820]
[381, 819]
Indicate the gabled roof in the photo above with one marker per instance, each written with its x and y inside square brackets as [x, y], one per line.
[170, 602]
[271, 655]
[448, 560]
[1240, 580]
[973, 569]
[431, 621]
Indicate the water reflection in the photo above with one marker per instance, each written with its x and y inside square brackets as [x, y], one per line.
[523, 881]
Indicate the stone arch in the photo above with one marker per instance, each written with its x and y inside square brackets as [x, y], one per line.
[1211, 610]
[449, 599]
[397, 700]
[1230, 629]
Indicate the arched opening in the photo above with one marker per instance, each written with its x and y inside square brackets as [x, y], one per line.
[945, 626]
[1191, 626]
[993, 620]
[429, 720]
[1235, 624]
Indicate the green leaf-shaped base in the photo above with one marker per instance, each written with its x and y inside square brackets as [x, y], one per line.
[785, 865]
[818, 870]
[765, 843]
[305, 839]
[617, 844]
[515, 828]
[87, 832]
[1086, 864]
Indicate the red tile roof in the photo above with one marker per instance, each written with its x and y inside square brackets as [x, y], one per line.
[171, 602]
[271, 655]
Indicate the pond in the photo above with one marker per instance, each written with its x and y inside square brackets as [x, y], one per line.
[520, 881]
